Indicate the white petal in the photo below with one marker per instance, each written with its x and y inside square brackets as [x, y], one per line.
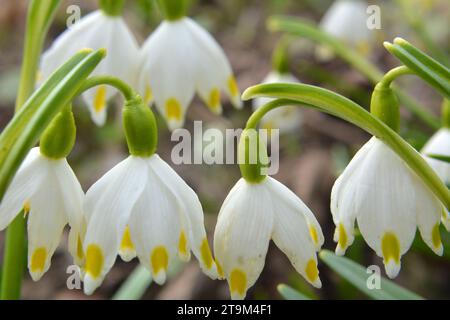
[213, 69]
[292, 224]
[45, 225]
[24, 184]
[386, 205]
[155, 228]
[109, 217]
[96, 31]
[342, 204]
[242, 236]
[168, 68]
[191, 213]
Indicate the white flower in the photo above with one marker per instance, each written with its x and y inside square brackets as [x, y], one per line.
[439, 144]
[178, 59]
[347, 21]
[142, 207]
[96, 30]
[50, 194]
[250, 216]
[389, 202]
[287, 118]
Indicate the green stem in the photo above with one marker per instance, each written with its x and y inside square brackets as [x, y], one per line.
[173, 9]
[393, 74]
[112, 8]
[337, 105]
[446, 113]
[120, 85]
[372, 72]
[40, 15]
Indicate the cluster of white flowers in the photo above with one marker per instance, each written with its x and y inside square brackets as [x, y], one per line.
[178, 59]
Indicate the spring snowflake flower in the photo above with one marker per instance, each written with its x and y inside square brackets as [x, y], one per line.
[250, 216]
[389, 202]
[50, 195]
[96, 30]
[286, 119]
[142, 207]
[439, 144]
[178, 59]
[347, 21]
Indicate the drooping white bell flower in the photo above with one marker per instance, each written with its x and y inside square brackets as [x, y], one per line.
[287, 118]
[389, 202]
[51, 196]
[178, 59]
[251, 215]
[439, 144]
[96, 30]
[347, 21]
[142, 207]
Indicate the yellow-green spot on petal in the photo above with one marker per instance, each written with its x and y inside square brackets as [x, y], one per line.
[390, 247]
[159, 259]
[205, 252]
[313, 233]
[26, 208]
[219, 270]
[126, 243]
[311, 271]
[148, 94]
[232, 86]
[38, 259]
[80, 252]
[173, 109]
[94, 260]
[436, 236]
[182, 244]
[100, 98]
[214, 99]
[342, 239]
[238, 281]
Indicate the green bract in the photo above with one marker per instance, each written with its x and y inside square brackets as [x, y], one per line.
[252, 156]
[446, 113]
[112, 7]
[385, 106]
[58, 139]
[140, 127]
[173, 9]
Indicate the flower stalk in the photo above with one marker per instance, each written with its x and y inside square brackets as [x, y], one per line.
[337, 105]
[112, 7]
[173, 9]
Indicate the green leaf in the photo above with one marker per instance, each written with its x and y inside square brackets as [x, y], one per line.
[310, 31]
[439, 157]
[431, 71]
[289, 293]
[357, 275]
[327, 101]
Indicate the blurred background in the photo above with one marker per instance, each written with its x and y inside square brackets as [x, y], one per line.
[311, 156]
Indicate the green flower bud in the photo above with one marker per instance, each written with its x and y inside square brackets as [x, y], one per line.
[58, 139]
[446, 113]
[112, 7]
[173, 9]
[385, 106]
[252, 156]
[140, 127]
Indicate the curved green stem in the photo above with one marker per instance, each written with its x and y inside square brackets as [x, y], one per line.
[393, 74]
[307, 30]
[120, 85]
[350, 111]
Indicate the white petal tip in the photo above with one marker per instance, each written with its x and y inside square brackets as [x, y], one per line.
[211, 272]
[340, 251]
[237, 296]
[160, 277]
[439, 250]
[36, 275]
[174, 124]
[317, 283]
[184, 257]
[90, 284]
[237, 103]
[392, 269]
[127, 255]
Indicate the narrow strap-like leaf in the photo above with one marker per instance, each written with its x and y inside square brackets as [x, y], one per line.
[290, 293]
